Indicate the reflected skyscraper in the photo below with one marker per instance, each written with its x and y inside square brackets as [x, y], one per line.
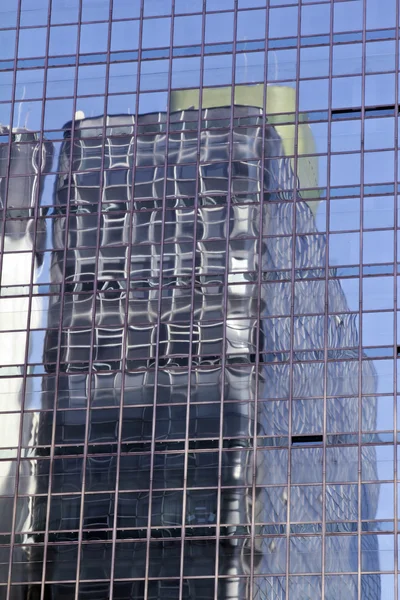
[199, 300]
[22, 244]
[189, 328]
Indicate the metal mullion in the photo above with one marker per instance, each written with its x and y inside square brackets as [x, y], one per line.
[292, 319]
[258, 320]
[96, 269]
[126, 319]
[192, 302]
[35, 209]
[326, 303]
[159, 304]
[360, 288]
[225, 303]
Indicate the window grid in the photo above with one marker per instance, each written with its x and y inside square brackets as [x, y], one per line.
[295, 356]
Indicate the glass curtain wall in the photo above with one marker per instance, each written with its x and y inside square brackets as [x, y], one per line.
[198, 300]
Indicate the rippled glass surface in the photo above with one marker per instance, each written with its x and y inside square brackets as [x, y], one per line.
[198, 300]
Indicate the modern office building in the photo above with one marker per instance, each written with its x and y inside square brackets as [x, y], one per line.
[198, 300]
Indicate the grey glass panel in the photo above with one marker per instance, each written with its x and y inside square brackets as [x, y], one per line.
[377, 501]
[274, 553]
[341, 553]
[273, 507]
[342, 502]
[312, 457]
[301, 586]
[347, 408]
[377, 550]
[305, 554]
[374, 582]
[341, 584]
[342, 464]
[307, 416]
[270, 587]
[306, 503]
[377, 462]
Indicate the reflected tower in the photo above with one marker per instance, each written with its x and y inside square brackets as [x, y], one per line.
[179, 350]
[22, 242]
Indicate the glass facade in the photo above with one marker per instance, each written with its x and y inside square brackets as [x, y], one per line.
[198, 299]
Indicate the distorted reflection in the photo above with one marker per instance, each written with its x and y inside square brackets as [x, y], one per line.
[22, 244]
[167, 356]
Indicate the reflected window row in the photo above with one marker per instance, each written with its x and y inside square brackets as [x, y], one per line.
[345, 127]
[271, 465]
[170, 588]
[185, 72]
[219, 26]
[36, 399]
[199, 557]
[346, 56]
[132, 510]
[314, 94]
[283, 50]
